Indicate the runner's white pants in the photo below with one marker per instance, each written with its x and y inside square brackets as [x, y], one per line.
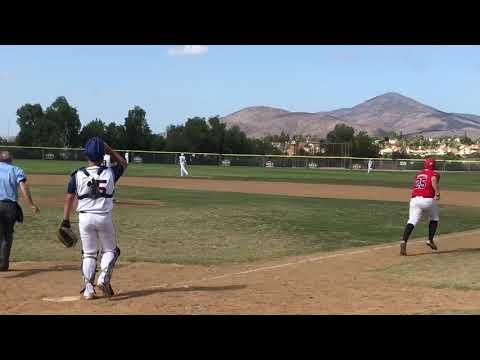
[97, 232]
[418, 205]
[183, 170]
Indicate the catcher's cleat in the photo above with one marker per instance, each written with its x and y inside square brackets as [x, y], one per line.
[432, 245]
[403, 248]
[88, 294]
[106, 289]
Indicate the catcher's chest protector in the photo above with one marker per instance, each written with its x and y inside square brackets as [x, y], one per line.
[95, 189]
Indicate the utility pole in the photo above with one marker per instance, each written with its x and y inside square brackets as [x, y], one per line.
[65, 141]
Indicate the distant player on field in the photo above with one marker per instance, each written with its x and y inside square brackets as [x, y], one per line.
[370, 165]
[425, 194]
[107, 162]
[183, 165]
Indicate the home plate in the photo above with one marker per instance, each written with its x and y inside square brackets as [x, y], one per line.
[62, 299]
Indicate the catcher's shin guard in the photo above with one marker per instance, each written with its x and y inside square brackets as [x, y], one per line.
[89, 267]
[107, 264]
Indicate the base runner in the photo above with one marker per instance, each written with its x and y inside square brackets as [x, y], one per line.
[94, 187]
[425, 194]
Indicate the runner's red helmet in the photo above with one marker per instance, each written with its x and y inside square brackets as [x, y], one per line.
[430, 164]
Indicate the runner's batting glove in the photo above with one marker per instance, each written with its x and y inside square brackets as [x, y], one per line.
[66, 224]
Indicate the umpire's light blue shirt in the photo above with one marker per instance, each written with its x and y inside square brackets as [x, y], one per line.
[10, 177]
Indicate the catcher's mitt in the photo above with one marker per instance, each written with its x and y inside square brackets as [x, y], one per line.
[66, 236]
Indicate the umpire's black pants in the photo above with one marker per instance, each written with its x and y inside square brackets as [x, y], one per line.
[8, 215]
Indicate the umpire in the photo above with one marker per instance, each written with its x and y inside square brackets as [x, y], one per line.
[11, 178]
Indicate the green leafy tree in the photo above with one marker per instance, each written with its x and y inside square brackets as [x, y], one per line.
[47, 133]
[92, 129]
[28, 118]
[236, 142]
[466, 140]
[137, 130]
[364, 146]
[196, 134]
[264, 147]
[65, 119]
[283, 137]
[217, 134]
[341, 134]
[176, 140]
[158, 142]
[115, 136]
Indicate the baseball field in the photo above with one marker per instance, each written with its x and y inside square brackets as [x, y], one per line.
[244, 240]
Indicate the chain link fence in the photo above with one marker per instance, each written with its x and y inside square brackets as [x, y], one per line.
[268, 161]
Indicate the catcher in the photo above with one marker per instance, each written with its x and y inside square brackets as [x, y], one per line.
[94, 187]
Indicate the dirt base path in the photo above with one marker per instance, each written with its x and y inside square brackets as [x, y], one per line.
[341, 282]
[461, 198]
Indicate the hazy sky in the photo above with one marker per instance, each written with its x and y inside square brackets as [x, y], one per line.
[173, 83]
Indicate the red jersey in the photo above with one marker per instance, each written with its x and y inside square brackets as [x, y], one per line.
[423, 184]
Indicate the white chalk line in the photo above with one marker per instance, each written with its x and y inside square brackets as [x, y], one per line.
[62, 299]
[279, 266]
[314, 259]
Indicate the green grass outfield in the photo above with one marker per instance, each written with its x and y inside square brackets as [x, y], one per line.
[187, 226]
[456, 269]
[467, 181]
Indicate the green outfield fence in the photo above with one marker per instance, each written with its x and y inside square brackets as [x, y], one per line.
[313, 162]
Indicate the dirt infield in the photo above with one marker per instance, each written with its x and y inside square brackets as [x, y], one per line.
[340, 282]
[279, 188]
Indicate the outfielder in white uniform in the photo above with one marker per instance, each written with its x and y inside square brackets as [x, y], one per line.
[94, 187]
[183, 165]
[370, 165]
[107, 161]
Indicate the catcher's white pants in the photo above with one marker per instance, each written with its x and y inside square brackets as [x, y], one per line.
[420, 204]
[97, 232]
[183, 170]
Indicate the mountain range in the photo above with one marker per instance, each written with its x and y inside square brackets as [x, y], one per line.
[381, 115]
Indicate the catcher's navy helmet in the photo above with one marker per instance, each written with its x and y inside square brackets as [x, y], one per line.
[95, 149]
